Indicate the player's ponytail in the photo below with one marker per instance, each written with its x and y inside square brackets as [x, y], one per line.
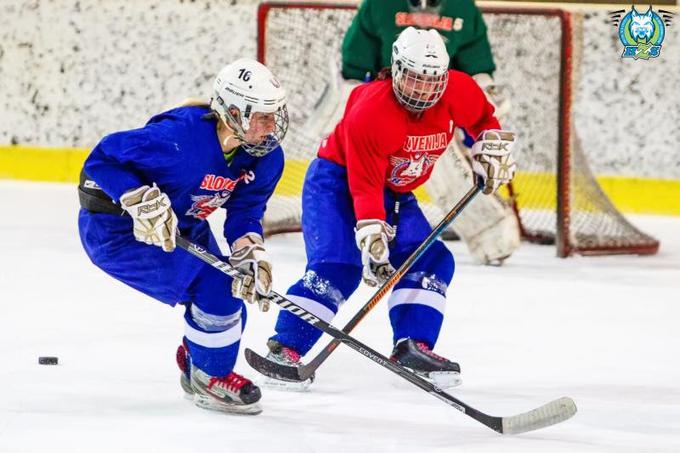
[384, 74]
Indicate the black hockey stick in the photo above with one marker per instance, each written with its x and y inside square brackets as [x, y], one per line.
[304, 372]
[549, 414]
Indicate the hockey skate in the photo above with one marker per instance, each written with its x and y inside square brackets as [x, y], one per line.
[284, 355]
[419, 358]
[232, 393]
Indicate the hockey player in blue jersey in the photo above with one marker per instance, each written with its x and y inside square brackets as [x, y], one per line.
[139, 187]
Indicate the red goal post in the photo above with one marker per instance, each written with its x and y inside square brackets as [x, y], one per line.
[555, 195]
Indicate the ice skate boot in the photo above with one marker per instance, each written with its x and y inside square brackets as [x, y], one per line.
[419, 358]
[284, 355]
[232, 393]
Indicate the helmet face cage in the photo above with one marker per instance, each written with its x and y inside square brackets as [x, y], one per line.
[240, 124]
[425, 5]
[272, 140]
[417, 92]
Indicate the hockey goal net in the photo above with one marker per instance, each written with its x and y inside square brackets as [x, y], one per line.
[555, 195]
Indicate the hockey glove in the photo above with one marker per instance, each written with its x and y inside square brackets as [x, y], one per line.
[373, 237]
[153, 220]
[252, 260]
[496, 95]
[492, 158]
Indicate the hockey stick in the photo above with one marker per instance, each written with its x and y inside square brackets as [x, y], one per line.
[304, 372]
[555, 411]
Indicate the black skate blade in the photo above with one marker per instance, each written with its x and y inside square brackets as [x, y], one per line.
[272, 369]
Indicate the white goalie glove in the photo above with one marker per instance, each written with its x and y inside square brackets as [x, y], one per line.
[251, 259]
[373, 237]
[153, 220]
[496, 94]
[492, 158]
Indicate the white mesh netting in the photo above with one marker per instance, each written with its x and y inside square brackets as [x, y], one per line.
[534, 53]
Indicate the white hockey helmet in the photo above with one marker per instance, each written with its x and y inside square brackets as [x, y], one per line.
[243, 88]
[420, 66]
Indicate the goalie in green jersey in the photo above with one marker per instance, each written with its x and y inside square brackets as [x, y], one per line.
[367, 46]
[367, 49]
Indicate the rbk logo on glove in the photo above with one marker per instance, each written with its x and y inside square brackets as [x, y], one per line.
[151, 208]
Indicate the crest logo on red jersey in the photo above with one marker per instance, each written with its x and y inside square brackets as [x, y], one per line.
[406, 170]
[419, 154]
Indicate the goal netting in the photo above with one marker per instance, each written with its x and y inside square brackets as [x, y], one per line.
[555, 195]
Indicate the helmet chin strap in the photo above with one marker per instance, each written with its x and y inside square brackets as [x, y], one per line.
[234, 135]
[225, 142]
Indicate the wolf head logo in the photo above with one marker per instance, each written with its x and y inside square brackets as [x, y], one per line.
[641, 34]
[642, 25]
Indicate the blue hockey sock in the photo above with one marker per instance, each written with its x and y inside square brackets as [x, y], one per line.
[213, 340]
[320, 291]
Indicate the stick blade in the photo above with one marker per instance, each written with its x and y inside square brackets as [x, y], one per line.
[271, 369]
[549, 414]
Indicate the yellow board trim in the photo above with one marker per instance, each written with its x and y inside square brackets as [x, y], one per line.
[629, 194]
[41, 164]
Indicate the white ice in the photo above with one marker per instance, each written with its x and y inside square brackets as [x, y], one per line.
[604, 331]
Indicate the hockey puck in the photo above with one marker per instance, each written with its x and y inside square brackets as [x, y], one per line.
[48, 360]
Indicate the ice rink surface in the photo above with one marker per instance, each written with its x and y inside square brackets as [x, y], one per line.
[604, 331]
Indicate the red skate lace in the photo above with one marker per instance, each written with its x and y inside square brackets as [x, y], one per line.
[232, 382]
[290, 354]
[425, 349]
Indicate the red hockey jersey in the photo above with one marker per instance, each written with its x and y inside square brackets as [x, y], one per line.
[383, 145]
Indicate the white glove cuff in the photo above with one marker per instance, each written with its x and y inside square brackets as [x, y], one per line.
[260, 254]
[368, 230]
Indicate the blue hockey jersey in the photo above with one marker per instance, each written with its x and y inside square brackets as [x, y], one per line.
[180, 152]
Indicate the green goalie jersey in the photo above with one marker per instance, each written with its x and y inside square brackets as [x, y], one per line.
[367, 46]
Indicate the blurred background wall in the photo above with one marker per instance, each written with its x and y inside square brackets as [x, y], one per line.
[72, 71]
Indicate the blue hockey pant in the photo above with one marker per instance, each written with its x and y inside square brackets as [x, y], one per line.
[333, 271]
[214, 319]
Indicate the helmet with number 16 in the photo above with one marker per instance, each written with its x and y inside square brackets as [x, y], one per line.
[249, 99]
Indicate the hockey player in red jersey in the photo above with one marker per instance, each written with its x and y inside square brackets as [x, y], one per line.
[392, 132]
